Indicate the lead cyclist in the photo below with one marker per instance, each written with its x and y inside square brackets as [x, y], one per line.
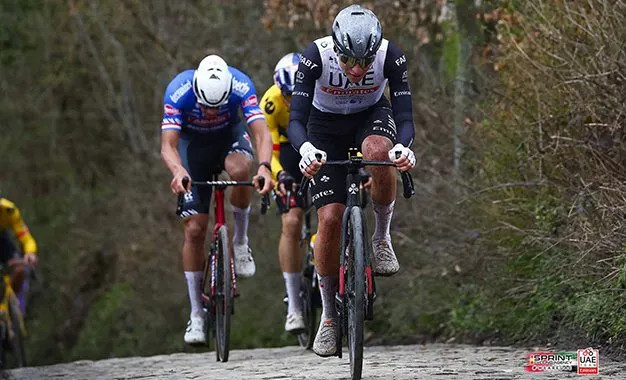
[339, 102]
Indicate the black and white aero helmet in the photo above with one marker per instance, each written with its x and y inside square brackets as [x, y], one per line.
[212, 81]
[357, 32]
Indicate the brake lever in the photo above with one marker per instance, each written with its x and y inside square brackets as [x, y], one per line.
[265, 201]
[181, 197]
[408, 188]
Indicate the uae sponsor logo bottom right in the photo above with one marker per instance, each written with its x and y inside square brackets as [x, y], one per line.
[583, 361]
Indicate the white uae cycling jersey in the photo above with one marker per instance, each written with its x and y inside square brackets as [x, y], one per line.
[336, 94]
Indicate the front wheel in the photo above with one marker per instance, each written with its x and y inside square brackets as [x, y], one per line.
[355, 292]
[224, 295]
[308, 294]
[16, 334]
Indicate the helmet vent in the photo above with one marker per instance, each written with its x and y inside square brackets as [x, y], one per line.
[349, 41]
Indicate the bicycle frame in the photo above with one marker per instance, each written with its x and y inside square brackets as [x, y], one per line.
[12, 329]
[220, 220]
[353, 181]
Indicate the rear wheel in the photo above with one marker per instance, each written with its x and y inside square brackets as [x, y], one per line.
[223, 296]
[355, 293]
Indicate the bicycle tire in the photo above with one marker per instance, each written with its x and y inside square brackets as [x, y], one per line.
[208, 302]
[16, 339]
[224, 295]
[307, 291]
[355, 291]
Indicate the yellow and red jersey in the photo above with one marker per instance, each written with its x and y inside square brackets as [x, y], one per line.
[10, 219]
[276, 110]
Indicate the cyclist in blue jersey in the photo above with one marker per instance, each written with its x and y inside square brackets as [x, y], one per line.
[201, 132]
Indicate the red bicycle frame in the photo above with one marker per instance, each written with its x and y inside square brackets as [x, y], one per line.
[220, 220]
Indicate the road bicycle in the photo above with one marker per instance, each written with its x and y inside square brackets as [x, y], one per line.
[12, 330]
[309, 287]
[357, 290]
[219, 282]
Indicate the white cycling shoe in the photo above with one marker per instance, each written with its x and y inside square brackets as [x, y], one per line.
[325, 343]
[244, 263]
[385, 261]
[294, 323]
[196, 332]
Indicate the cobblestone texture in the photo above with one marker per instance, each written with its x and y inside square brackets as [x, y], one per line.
[432, 361]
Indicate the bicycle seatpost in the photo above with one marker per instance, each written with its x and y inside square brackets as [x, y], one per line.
[181, 197]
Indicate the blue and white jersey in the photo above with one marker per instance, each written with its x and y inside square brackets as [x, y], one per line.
[181, 111]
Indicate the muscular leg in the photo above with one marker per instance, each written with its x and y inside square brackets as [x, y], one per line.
[383, 199]
[290, 257]
[193, 258]
[193, 247]
[238, 166]
[383, 177]
[328, 240]
[289, 246]
[326, 249]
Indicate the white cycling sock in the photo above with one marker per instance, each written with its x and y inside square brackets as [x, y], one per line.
[382, 215]
[328, 288]
[240, 230]
[292, 284]
[194, 285]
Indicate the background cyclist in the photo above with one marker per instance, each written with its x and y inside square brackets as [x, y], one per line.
[11, 222]
[285, 159]
[201, 130]
[338, 102]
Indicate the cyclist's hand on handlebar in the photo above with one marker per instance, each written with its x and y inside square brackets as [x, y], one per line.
[403, 157]
[177, 182]
[312, 159]
[30, 259]
[267, 184]
[285, 183]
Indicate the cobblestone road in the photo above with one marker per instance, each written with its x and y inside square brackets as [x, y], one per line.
[432, 361]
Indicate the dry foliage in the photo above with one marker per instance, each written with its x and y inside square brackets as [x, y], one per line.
[563, 105]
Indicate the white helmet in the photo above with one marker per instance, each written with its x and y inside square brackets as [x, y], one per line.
[212, 81]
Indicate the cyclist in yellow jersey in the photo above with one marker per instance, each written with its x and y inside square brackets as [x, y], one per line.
[275, 106]
[10, 219]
